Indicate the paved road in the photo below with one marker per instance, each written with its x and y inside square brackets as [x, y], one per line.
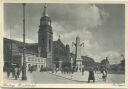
[44, 77]
[41, 78]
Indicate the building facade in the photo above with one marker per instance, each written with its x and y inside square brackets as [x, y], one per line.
[61, 53]
[38, 62]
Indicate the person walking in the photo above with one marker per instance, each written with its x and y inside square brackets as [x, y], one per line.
[91, 75]
[82, 71]
[16, 72]
[104, 76]
[13, 71]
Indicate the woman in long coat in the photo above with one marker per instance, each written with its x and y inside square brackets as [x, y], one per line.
[91, 75]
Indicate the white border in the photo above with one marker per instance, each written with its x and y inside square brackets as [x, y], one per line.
[22, 85]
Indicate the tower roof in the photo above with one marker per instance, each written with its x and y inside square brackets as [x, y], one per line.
[45, 10]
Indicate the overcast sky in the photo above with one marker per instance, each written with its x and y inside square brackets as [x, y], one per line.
[100, 27]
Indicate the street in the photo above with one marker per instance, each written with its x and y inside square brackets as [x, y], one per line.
[44, 77]
[59, 78]
[40, 78]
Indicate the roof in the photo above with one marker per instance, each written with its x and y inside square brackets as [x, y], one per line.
[31, 48]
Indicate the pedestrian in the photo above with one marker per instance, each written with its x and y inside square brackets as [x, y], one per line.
[79, 69]
[91, 75]
[72, 70]
[8, 70]
[104, 76]
[57, 70]
[76, 69]
[13, 71]
[31, 69]
[16, 72]
[82, 71]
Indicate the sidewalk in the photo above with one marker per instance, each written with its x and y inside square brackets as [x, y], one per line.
[77, 76]
[19, 80]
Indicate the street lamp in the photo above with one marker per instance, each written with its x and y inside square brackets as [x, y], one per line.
[24, 77]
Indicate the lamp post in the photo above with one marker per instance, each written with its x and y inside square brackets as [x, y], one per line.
[10, 49]
[24, 77]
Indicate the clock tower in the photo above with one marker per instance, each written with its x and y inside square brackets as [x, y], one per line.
[45, 38]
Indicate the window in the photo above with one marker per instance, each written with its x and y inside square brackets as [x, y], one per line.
[42, 60]
[38, 60]
[29, 59]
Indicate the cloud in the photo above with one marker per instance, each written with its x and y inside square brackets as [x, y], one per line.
[65, 18]
[55, 36]
[78, 20]
[76, 17]
[104, 15]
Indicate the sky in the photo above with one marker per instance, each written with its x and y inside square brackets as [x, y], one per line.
[100, 26]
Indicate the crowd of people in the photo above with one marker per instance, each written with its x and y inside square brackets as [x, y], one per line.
[92, 71]
[32, 68]
[14, 70]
